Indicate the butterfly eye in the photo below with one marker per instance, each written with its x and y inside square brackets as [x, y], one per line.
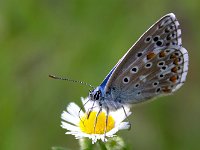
[97, 95]
[90, 94]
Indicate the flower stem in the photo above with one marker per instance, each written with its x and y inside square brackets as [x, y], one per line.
[102, 145]
[86, 144]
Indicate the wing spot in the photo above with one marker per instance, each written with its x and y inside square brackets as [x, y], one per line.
[161, 76]
[126, 80]
[177, 54]
[164, 67]
[161, 63]
[148, 39]
[167, 50]
[173, 35]
[148, 65]
[134, 70]
[156, 38]
[139, 54]
[158, 90]
[137, 85]
[155, 84]
[159, 43]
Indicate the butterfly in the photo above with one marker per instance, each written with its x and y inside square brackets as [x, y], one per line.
[155, 65]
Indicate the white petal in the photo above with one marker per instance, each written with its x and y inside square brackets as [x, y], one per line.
[119, 115]
[69, 118]
[69, 126]
[112, 132]
[124, 125]
[74, 110]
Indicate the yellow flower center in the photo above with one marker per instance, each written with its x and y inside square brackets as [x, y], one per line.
[96, 124]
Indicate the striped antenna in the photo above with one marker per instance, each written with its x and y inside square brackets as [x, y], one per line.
[70, 80]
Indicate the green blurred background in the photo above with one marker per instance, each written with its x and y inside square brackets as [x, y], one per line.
[83, 40]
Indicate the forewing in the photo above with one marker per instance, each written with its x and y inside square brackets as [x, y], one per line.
[156, 64]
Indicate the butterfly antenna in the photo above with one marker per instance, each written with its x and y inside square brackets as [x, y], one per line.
[70, 80]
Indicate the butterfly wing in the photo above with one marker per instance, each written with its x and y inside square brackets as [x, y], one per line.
[156, 64]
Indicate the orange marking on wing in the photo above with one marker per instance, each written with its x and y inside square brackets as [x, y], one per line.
[174, 69]
[162, 54]
[173, 56]
[166, 89]
[173, 79]
[150, 55]
[175, 61]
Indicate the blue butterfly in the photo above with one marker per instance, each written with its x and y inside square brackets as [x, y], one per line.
[155, 65]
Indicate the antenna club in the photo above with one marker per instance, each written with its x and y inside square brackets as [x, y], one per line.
[51, 76]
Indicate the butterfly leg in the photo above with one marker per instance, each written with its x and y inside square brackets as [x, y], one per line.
[90, 110]
[95, 123]
[107, 114]
[126, 117]
[81, 108]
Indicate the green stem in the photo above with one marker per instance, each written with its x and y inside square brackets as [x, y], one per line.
[102, 145]
[86, 144]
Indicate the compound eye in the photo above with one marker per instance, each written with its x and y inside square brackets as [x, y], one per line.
[90, 94]
[96, 96]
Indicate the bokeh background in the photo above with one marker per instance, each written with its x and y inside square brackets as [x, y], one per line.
[83, 40]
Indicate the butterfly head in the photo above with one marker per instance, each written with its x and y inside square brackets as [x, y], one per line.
[96, 94]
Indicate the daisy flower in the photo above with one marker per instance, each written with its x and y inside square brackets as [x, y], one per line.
[81, 124]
